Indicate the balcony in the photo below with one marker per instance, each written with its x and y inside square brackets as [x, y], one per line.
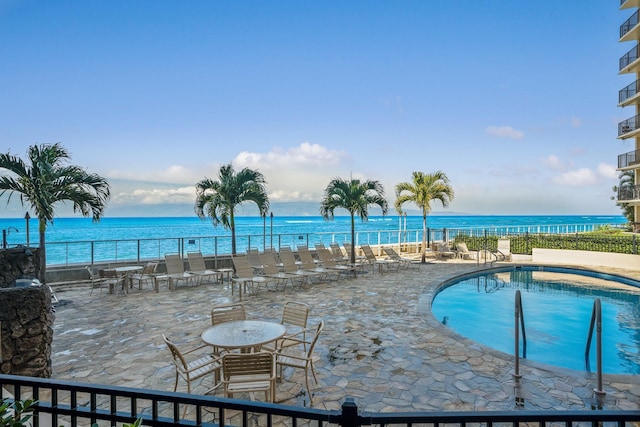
[630, 160]
[629, 61]
[629, 194]
[628, 95]
[630, 30]
[629, 127]
[627, 4]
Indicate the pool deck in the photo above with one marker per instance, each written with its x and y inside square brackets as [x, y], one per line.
[380, 345]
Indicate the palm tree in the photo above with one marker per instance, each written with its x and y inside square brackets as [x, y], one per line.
[45, 180]
[218, 200]
[424, 188]
[355, 197]
[627, 179]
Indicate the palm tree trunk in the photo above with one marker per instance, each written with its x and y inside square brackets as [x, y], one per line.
[233, 234]
[42, 252]
[353, 239]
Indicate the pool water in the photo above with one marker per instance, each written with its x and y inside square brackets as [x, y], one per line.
[557, 304]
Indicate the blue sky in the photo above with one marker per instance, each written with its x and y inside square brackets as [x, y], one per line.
[515, 101]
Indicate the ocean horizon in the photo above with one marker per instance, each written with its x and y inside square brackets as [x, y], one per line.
[83, 229]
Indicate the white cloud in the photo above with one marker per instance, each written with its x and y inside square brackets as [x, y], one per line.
[297, 174]
[155, 196]
[305, 154]
[607, 171]
[553, 162]
[576, 178]
[504, 132]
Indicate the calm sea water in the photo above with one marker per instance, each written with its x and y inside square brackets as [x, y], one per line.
[252, 231]
[82, 229]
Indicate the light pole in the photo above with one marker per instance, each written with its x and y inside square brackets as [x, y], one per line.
[405, 230]
[27, 217]
[271, 228]
[264, 231]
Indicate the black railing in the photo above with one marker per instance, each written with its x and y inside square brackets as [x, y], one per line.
[628, 92]
[628, 125]
[217, 247]
[628, 193]
[629, 24]
[77, 404]
[629, 159]
[629, 57]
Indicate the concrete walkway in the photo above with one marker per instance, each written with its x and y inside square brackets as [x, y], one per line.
[380, 345]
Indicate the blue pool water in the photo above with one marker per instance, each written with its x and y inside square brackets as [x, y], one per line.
[557, 305]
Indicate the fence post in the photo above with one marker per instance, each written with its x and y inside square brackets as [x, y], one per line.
[635, 245]
[350, 413]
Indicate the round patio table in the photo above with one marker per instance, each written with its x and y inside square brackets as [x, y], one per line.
[243, 334]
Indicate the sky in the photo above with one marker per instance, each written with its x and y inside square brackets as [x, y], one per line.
[516, 102]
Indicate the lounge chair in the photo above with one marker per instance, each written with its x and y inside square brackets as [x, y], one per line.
[359, 258]
[198, 267]
[175, 271]
[326, 258]
[382, 264]
[309, 264]
[462, 251]
[271, 271]
[404, 262]
[290, 266]
[254, 260]
[244, 276]
[336, 251]
[444, 251]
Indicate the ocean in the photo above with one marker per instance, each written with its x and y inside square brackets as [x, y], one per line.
[69, 240]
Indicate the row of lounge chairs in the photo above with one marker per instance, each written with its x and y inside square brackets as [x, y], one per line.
[257, 270]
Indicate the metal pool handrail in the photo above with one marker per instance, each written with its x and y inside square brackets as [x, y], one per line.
[596, 320]
[519, 319]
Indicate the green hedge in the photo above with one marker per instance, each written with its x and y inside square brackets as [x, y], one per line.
[524, 243]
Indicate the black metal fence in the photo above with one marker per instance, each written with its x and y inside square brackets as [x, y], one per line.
[76, 404]
[139, 250]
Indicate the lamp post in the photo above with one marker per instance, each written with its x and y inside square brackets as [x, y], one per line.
[405, 230]
[264, 231]
[27, 217]
[271, 229]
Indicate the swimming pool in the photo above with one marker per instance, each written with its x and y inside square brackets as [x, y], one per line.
[557, 305]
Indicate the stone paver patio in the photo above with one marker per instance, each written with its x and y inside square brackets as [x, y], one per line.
[380, 345]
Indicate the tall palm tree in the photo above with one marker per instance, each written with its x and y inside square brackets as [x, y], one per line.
[218, 200]
[355, 197]
[45, 180]
[424, 188]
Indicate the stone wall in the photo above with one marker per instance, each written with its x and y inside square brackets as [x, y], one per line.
[26, 325]
[16, 263]
[26, 318]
